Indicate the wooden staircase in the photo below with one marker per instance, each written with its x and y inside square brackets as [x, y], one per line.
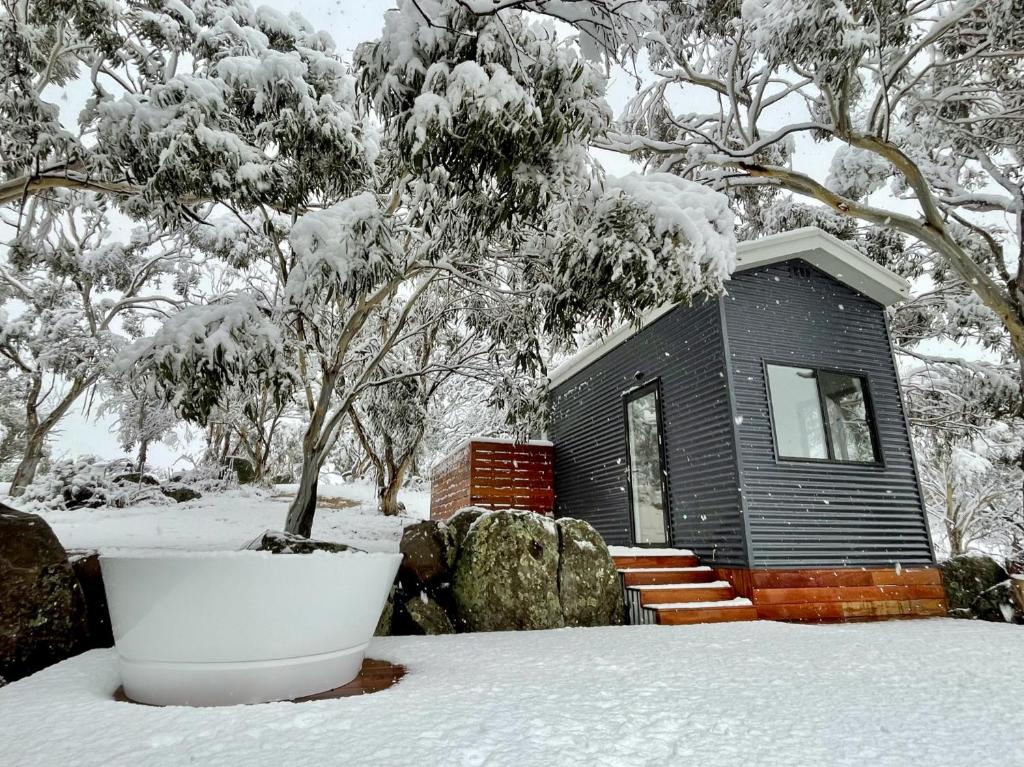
[670, 587]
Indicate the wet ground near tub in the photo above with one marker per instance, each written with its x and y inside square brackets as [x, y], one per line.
[374, 676]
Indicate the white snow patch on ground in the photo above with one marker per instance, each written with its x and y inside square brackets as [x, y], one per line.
[229, 520]
[907, 693]
[645, 551]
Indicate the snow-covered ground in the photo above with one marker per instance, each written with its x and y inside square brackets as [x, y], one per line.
[229, 520]
[931, 692]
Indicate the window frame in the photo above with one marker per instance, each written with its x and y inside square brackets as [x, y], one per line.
[654, 385]
[869, 412]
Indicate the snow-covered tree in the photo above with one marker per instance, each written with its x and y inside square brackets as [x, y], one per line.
[479, 181]
[391, 418]
[922, 97]
[70, 293]
[140, 416]
[972, 490]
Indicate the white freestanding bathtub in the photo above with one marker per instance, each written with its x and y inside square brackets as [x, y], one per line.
[226, 627]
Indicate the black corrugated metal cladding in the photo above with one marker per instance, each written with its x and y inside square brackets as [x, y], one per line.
[789, 514]
[683, 350]
[806, 514]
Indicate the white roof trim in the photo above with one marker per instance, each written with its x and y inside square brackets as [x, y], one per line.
[832, 256]
[818, 248]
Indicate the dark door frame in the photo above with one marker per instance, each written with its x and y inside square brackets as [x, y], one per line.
[654, 386]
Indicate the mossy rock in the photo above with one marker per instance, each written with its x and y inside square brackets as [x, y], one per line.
[506, 575]
[42, 609]
[460, 522]
[973, 588]
[387, 616]
[589, 587]
[428, 554]
[427, 616]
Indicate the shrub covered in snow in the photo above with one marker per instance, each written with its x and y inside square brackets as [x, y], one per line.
[90, 482]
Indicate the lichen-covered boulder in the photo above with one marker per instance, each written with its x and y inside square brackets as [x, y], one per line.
[285, 543]
[428, 554]
[589, 587]
[86, 566]
[180, 493]
[387, 615]
[506, 575]
[244, 470]
[136, 478]
[460, 522]
[973, 588]
[42, 612]
[427, 616]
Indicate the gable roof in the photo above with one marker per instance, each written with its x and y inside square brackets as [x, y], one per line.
[829, 254]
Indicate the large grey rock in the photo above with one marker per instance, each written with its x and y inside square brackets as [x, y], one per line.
[428, 554]
[86, 566]
[427, 616]
[460, 522]
[180, 493]
[506, 576]
[244, 470]
[285, 543]
[977, 587]
[387, 616]
[589, 587]
[42, 611]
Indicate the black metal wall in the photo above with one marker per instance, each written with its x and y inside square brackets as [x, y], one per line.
[684, 350]
[804, 514]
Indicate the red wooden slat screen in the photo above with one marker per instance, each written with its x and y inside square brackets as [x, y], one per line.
[494, 475]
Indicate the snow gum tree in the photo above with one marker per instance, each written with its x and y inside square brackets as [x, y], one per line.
[922, 97]
[452, 157]
[69, 293]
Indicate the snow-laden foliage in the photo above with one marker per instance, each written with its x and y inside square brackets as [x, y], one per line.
[972, 491]
[645, 232]
[919, 101]
[192, 101]
[213, 347]
[319, 206]
[140, 416]
[347, 248]
[90, 482]
[72, 293]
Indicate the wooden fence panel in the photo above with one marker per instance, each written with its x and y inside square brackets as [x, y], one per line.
[494, 474]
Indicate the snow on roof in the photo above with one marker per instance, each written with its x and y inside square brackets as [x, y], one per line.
[829, 254]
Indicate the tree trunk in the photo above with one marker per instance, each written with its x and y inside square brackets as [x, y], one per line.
[303, 508]
[26, 471]
[143, 451]
[389, 484]
[387, 495]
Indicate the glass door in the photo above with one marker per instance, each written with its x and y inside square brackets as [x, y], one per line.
[647, 495]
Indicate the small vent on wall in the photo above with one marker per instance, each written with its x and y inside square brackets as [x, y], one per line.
[803, 271]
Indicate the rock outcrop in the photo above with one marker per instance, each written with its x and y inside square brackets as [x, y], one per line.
[42, 609]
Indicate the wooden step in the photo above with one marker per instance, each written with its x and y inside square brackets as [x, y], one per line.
[824, 612]
[633, 561]
[718, 591]
[706, 615]
[661, 575]
[711, 612]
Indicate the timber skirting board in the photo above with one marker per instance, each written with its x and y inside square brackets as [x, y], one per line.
[840, 594]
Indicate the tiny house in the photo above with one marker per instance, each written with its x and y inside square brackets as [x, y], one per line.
[755, 442]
